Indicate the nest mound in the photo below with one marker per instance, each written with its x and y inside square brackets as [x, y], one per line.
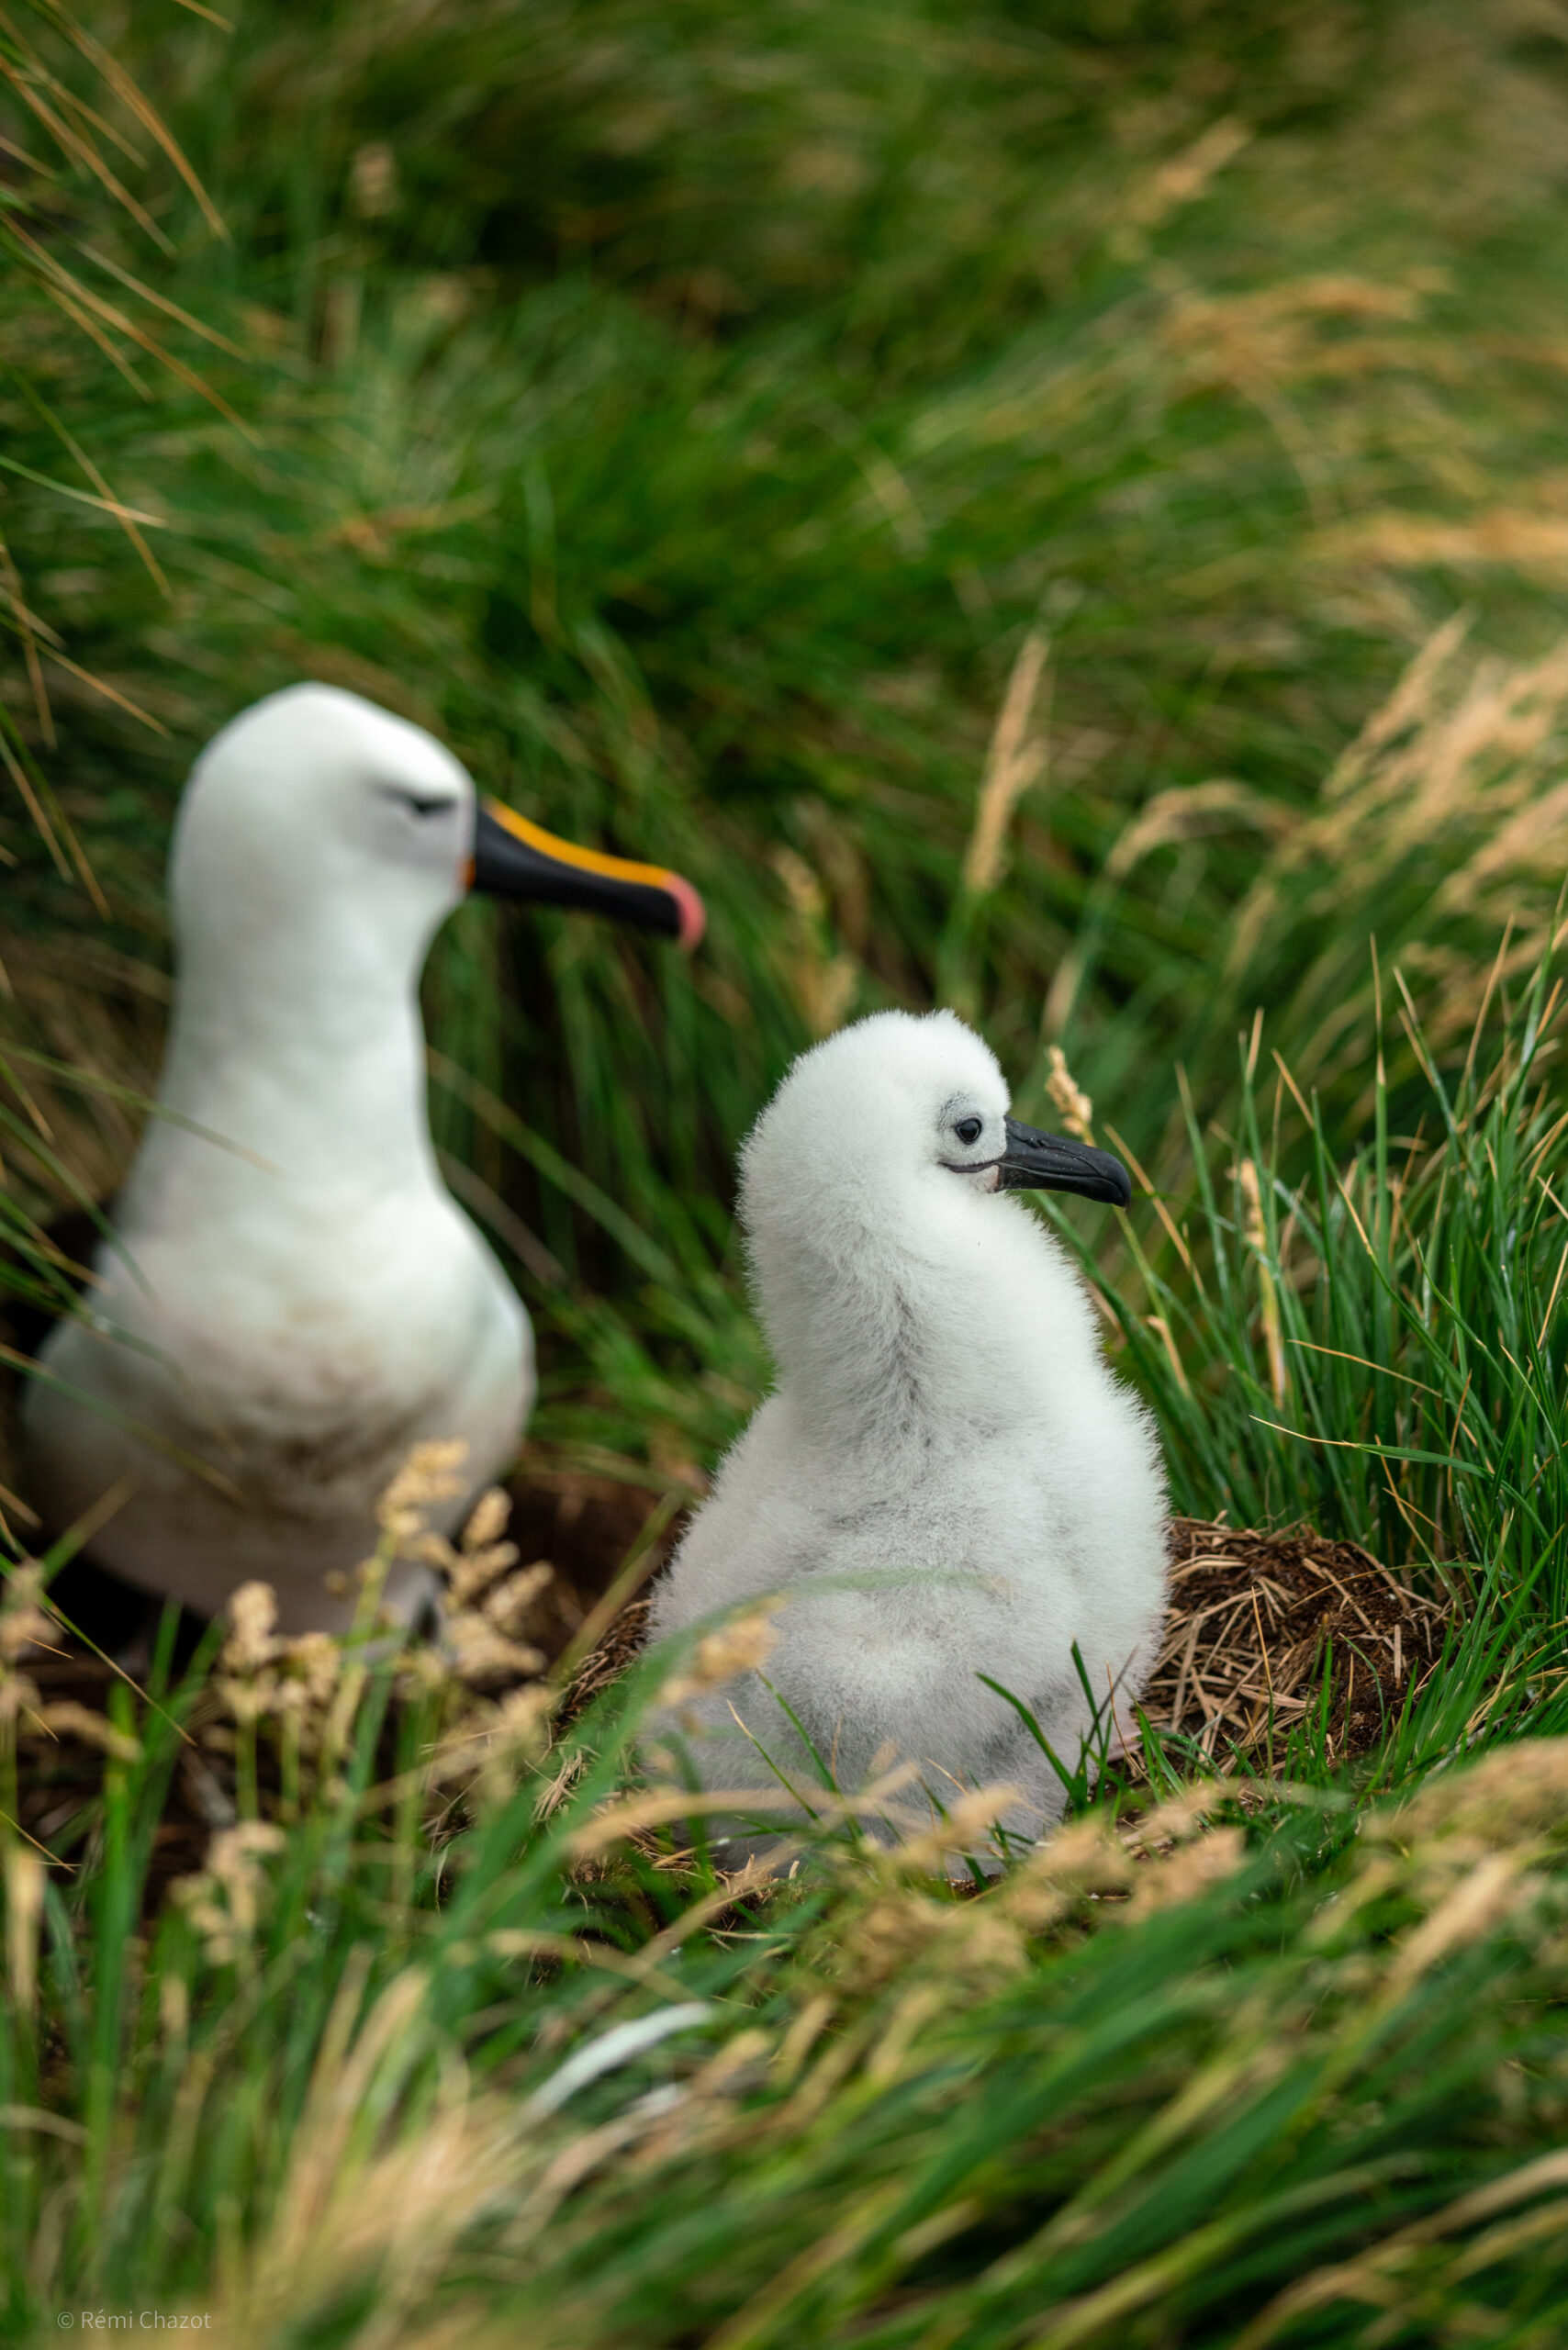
[586, 1526]
[1265, 1629]
[1262, 1630]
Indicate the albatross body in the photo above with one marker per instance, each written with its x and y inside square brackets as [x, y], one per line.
[947, 1481]
[296, 1298]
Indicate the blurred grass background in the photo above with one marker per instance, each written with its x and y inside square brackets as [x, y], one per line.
[1055, 509]
[695, 419]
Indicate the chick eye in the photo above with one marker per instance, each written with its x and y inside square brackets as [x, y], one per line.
[968, 1130]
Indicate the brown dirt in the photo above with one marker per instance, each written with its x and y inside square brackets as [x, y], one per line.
[586, 1526]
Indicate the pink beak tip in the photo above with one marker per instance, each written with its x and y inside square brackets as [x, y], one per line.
[693, 913]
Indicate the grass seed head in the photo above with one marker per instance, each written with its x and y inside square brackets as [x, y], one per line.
[224, 1900]
[1516, 1794]
[1080, 1859]
[69, 1718]
[969, 1825]
[743, 1645]
[1073, 1104]
[491, 1750]
[1192, 1870]
[488, 1520]
[508, 1605]
[24, 1880]
[431, 1474]
[484, 1657]
[252, 1614]
[23, 1623]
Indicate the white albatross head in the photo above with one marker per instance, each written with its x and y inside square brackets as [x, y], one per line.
[314, 816]
[900, 1102]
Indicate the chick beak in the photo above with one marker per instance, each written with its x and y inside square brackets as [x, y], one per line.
[1037, 1162]
[513, 858]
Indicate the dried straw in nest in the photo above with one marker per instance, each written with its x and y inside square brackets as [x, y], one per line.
[1254, 1620]
[619, 1649]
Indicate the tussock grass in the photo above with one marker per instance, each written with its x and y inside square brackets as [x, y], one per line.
[69, 307]
[1056, 512]
[449, 2032]
[1229, 2068]
[1379, 1342]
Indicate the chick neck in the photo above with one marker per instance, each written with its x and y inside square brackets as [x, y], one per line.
[889, 1320]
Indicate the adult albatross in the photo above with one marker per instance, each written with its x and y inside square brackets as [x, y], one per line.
[294, 1305]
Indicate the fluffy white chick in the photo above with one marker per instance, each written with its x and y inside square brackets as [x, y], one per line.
[944, 1433]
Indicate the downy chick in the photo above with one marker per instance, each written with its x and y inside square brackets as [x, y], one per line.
[943, 1430]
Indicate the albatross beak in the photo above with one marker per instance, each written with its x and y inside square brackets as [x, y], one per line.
[516, 859]
[1037, 1162]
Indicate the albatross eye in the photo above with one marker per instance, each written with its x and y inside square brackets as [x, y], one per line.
[968, 1130]
[418, 804]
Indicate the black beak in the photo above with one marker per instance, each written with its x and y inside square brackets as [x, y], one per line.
[516, 859]
[1037, 1162]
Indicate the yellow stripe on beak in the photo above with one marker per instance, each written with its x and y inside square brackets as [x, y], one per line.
[519, 859]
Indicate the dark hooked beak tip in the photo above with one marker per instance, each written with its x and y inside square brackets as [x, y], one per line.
[1037, 1162]
[514, 858]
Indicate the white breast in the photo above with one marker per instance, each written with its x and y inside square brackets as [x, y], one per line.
[296, 1368]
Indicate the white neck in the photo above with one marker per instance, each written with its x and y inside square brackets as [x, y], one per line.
[899, 1349]
[307, 1054]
